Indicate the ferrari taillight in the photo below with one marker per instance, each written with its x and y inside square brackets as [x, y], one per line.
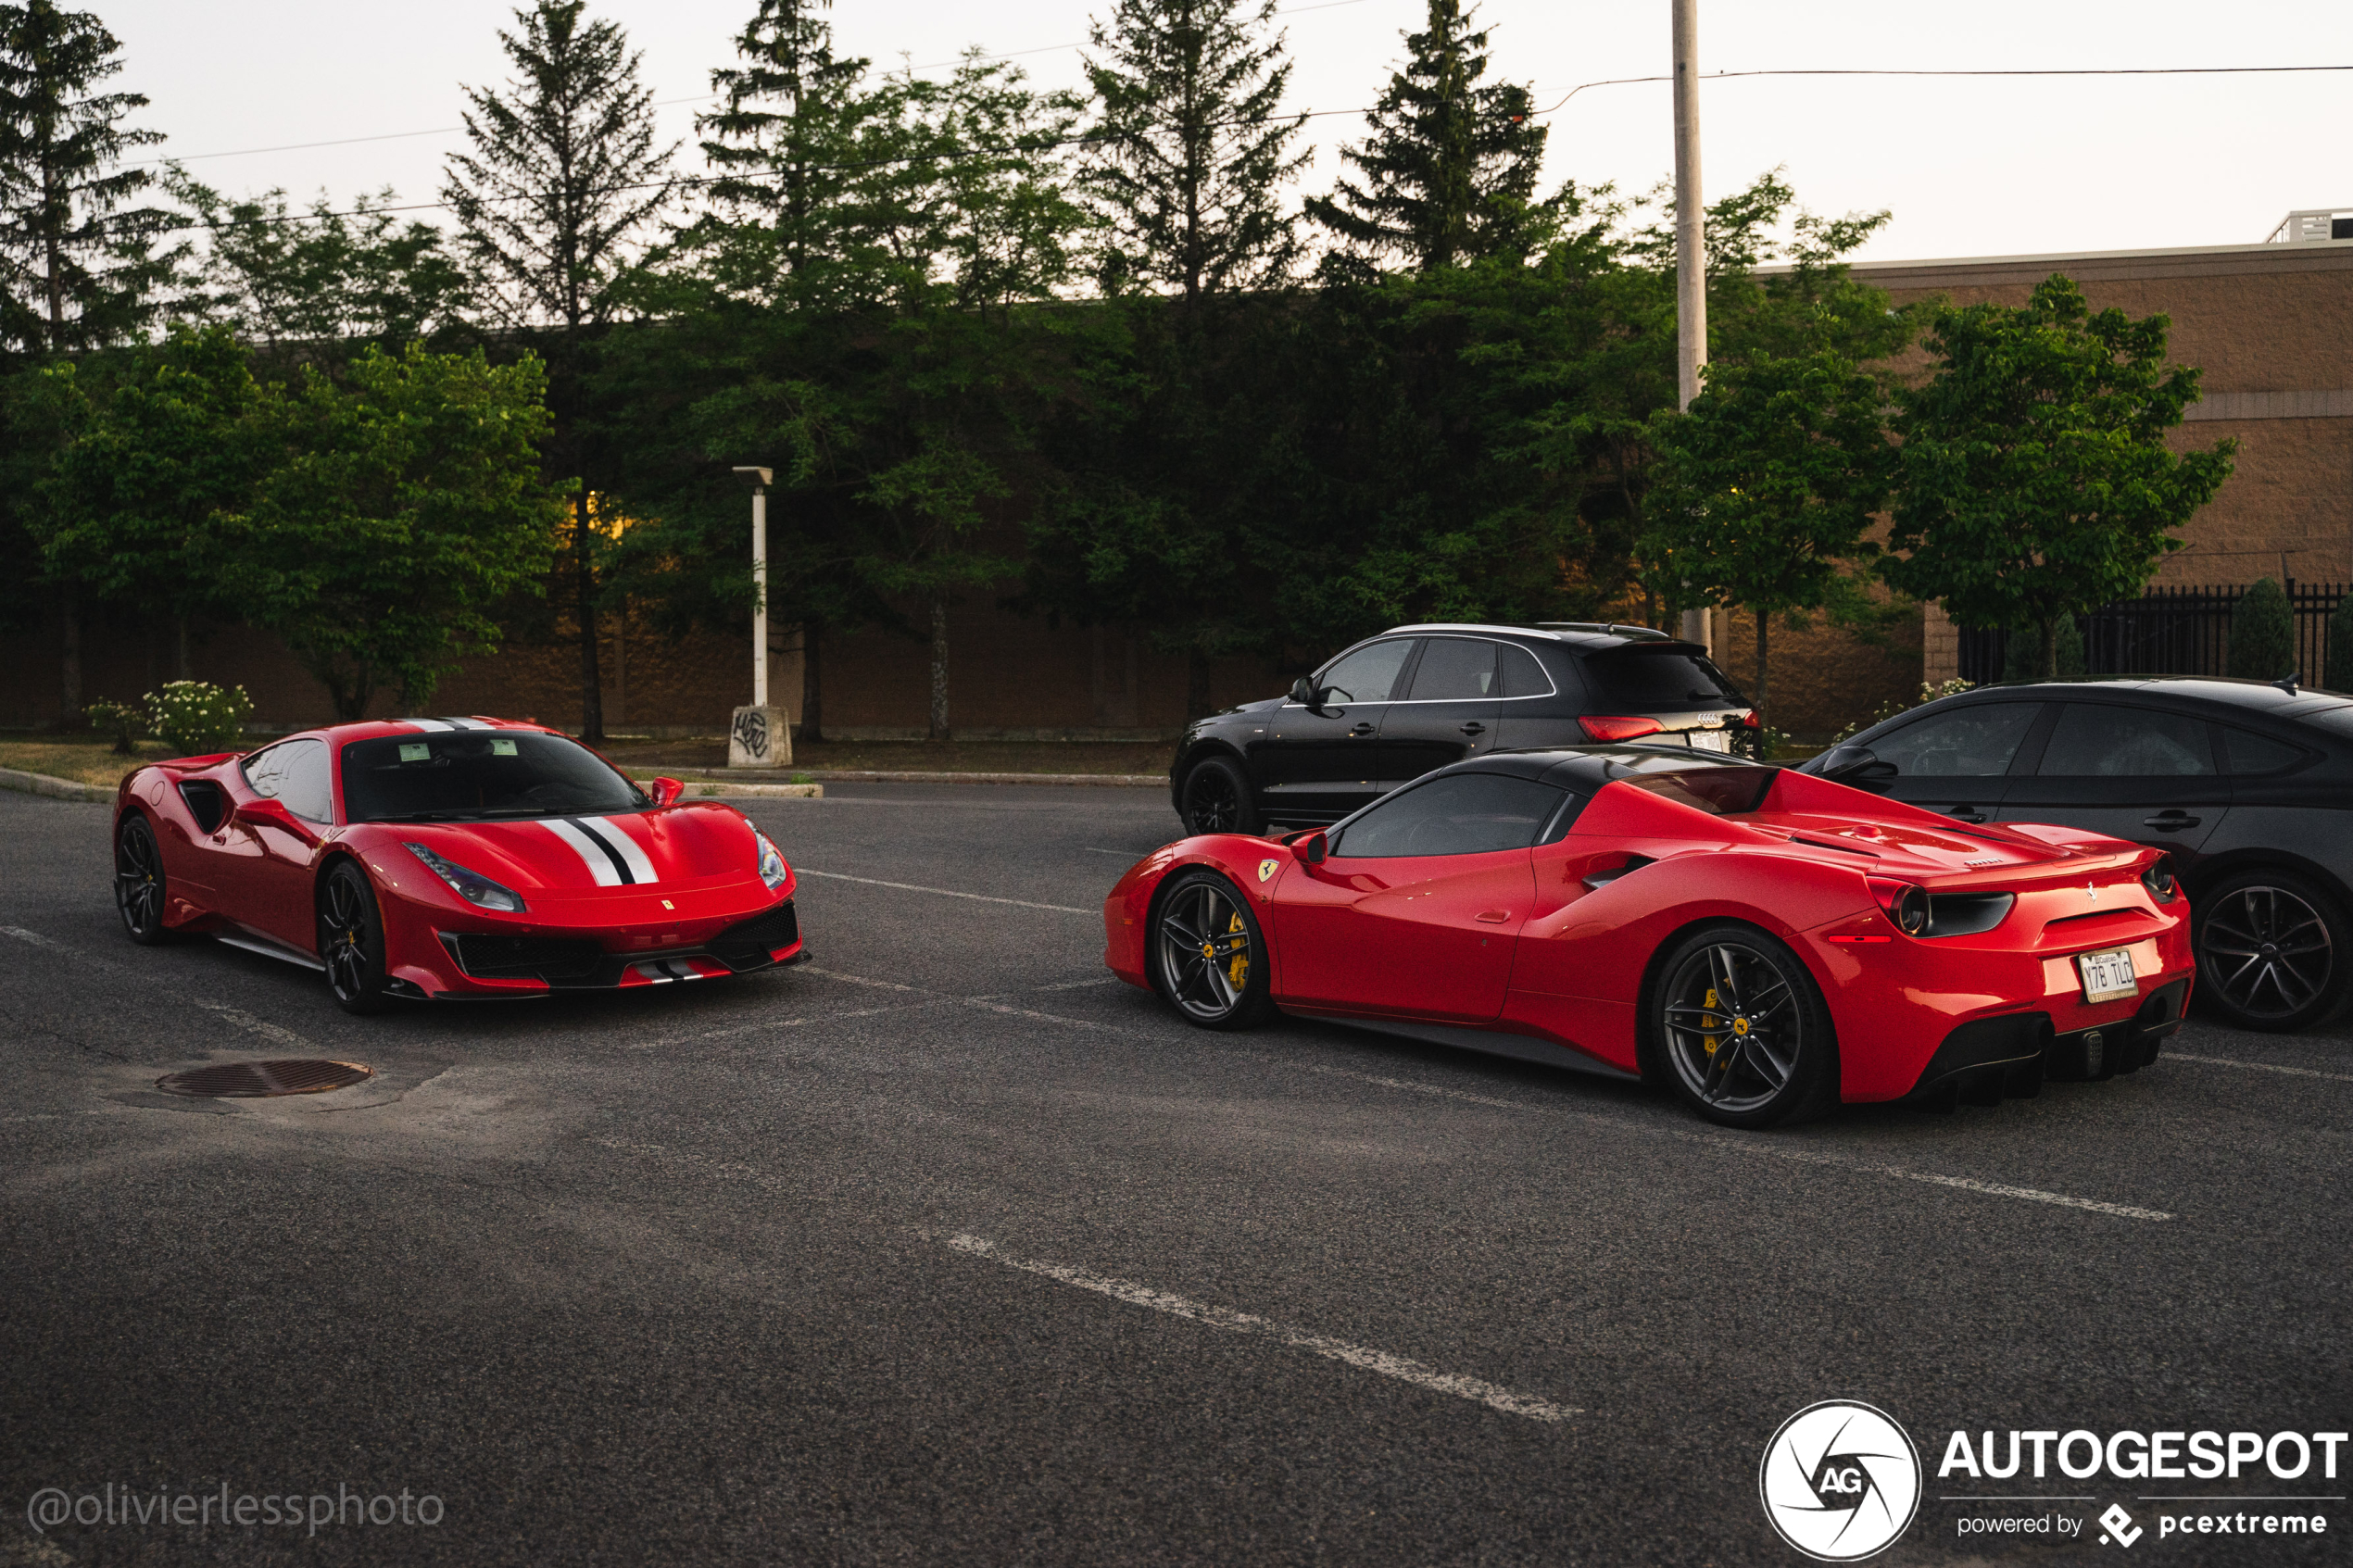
[1905, 903]
[1618, 729]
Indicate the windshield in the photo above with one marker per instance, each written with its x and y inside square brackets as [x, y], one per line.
[474, 775]
[1657, 678]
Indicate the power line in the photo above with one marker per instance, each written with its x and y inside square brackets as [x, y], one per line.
[1265, 119]
[659, 104]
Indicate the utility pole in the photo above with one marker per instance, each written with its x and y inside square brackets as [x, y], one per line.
[760, 736]
[1691, 242]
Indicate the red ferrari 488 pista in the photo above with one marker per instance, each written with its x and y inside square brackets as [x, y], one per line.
[450, 858]
[1767, 942]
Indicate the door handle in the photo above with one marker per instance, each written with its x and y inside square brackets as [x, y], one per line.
[1474, 728]
[1362, 730]
[1965, 814]
[1493, 917]
[2169, 820]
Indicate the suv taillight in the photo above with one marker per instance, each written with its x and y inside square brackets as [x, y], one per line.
[1620, 729]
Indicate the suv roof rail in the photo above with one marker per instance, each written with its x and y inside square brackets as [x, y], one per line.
[1607, 628]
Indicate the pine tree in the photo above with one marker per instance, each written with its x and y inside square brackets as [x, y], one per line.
[77, 253]
[1450, 170]
[2262, 633]
[565, 171]
[1191, 150]
[783, 141]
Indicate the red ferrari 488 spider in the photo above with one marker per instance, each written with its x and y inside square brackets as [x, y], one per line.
[449, 858]
[1767, 942]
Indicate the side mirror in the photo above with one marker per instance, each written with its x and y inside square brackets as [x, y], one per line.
[1312, 847]
[1858, 767]
[1302, 692]
[666, 792]
[273, 813]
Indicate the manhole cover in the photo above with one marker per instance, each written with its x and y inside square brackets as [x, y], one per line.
[251, 1080]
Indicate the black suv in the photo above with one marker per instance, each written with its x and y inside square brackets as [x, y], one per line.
[2248, 785]
[1417, 698]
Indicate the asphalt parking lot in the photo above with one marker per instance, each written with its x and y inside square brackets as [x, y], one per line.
[946, 1249]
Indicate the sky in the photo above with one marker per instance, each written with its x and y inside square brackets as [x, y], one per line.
[1985, 165]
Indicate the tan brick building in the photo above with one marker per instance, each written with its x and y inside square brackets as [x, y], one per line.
[2272, 325]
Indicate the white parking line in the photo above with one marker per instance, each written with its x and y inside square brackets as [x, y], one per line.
[944, 892]
[2259, 1067]
[1967, 1183]
[1399, 1367]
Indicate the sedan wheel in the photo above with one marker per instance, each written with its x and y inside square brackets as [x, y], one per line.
[1743, 1030]
[2271, 950]
[138, 881]
[351, 939]
[1207, 954]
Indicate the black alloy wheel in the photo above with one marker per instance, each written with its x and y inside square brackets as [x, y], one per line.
[139, 885]
[1217, 798]
[2271, 950]
[351, 939]
[1207, 954]
[1742, 1030]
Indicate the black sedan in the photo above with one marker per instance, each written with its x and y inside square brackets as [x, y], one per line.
[1394, 706]
[2248, 785]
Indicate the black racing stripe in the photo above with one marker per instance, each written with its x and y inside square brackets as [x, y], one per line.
[601, 842]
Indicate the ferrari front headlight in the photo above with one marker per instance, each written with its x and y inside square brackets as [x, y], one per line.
[472, 886]
[772, 870]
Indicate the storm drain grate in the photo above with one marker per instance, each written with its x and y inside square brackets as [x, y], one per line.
[251, 1080]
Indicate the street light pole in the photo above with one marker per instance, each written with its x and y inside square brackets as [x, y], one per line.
[1691, 242]
[759, 582]
[760, 737]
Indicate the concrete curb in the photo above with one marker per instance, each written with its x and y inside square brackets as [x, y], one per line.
[699, 789]
[865, 775]
[57, 789]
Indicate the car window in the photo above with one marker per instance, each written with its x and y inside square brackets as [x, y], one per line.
[1657, 678]
[1522, 675]
[1719, 791]
[294, 774]
[2252, 753]
[1369, 675]
[1459, 814]
[473, 775]
[2100, 741]
[1974, 742]
[1454, 670]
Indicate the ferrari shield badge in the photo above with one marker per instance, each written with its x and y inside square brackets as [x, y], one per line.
[1266, 869]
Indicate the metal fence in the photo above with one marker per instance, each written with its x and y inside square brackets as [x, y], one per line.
[2170, 632]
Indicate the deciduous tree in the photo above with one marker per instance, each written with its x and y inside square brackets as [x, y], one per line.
[2034, 479]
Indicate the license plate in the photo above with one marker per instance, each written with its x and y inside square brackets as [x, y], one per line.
[1709, 740]
[2107, 975]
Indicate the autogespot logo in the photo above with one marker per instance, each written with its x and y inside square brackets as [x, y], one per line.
[1841, 1481]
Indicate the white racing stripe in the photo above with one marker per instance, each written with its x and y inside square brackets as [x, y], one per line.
[944, 892]
[431, 725]
[466, 724]
[613, 858]
[1399, 1367]
[2259, 1067]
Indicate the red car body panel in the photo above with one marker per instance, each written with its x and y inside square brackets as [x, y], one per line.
[1516, 944]
[694, 865]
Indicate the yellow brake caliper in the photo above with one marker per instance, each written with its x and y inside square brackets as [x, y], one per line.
[1238, 969]
[1709, 1040]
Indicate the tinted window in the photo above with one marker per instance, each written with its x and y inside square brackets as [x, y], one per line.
[1655, 678]
[2255, 754]
[474, 774]
[294, 774]
[1522, 675]
[1719, 791]
[1460, 814]
[1369, 675]
[2095, 741]
[1976, 742]
[1454, 670]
